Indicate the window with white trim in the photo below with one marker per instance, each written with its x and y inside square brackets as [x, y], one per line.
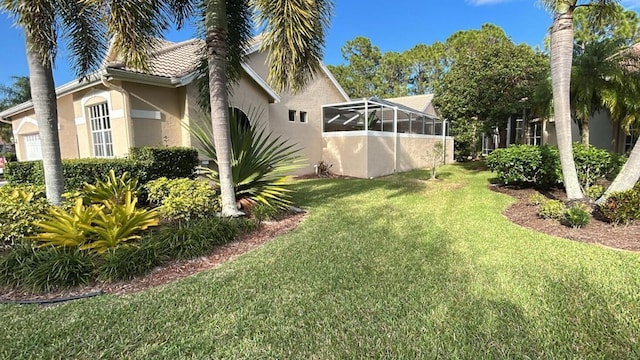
[101, 130]
[33, 147]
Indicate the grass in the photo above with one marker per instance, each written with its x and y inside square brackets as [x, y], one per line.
[385, 268]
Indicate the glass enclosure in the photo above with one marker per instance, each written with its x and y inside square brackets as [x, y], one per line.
[378, 115]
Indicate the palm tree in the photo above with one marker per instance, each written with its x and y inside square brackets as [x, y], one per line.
[294, 33]
[621, 99]
[561, 59]
[133, 27]
[594, 67]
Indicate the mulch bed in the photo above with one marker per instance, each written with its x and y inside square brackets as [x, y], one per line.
[173, 270]
[596, 232]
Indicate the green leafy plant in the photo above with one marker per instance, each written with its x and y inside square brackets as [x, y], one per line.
[195, 238]
[594, 191]
[436, 157]
[536, 199]
[260, 163]
[20, 206]
[262, 212]
[593, 163]
[577, 216]
[112, 189]
[621, 207]
[551, 209]
[183, 199]
[95, 228]
[526, 165]
[127, 262]
[46, 269]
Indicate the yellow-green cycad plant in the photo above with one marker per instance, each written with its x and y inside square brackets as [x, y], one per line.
[117, 224]
[65, 228]
[261, 164]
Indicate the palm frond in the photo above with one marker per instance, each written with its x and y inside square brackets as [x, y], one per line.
[83, 34]
[38, 19]
[294, 34]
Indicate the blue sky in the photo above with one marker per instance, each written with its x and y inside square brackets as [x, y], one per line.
[392, 25]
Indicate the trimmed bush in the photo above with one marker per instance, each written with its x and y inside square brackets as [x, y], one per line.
[147, 164]
[577, 216]
[183, 199]
[536, 199]
[621, 207]
[594, 191]
[593, 164]
[529, 165]
[551, 209]
[20, 206]
[169, 162]
[525, 165]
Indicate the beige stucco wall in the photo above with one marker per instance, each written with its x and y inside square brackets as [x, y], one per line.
[359, 155]
[23, 124]
[156, 114]
[347, 155]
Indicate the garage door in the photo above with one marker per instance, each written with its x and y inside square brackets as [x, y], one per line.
[34, 150]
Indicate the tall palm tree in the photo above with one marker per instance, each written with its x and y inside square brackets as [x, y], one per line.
[294, 34]
[561, 59]
[87, 26]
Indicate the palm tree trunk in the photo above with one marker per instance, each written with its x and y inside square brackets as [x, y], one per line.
[561, 54]
[216, 58]
[627, 177]
[584, 132]
[43, 95]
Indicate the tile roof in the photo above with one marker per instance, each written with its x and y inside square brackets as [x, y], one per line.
[170, 60]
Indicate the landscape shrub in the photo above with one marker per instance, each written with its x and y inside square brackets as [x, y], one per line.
[525, 165]
[594, 192]
[593, 163]
[169, 162]
[24, 173]
[112, 189]
[20, 206]
[46, 269]
[551, 209]
[621, 207]
[536, 199]
[127, 262]
[191, 239]
[577, 216]
[261, 163]
[529, 165]
[95, 228]
[183, 199]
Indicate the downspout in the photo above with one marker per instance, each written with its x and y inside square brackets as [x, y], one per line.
[395, 139]
[127, 108]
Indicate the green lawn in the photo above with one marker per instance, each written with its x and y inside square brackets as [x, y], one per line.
[387, 268]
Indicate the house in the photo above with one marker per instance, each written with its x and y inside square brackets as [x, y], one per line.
[603, 133]
[119, 108]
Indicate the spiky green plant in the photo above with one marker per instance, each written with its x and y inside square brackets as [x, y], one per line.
[261, 164]
[113, 189]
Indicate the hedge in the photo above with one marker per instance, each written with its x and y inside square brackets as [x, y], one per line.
[529, 165]
[145, 164]
[169, 162]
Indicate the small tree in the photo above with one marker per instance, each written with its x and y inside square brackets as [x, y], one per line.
[436, 157]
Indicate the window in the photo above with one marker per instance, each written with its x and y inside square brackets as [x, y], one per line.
[629, 141]
[32, 145]
[101, 130]
[535, 136]
[292, 115]
[303, 116]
